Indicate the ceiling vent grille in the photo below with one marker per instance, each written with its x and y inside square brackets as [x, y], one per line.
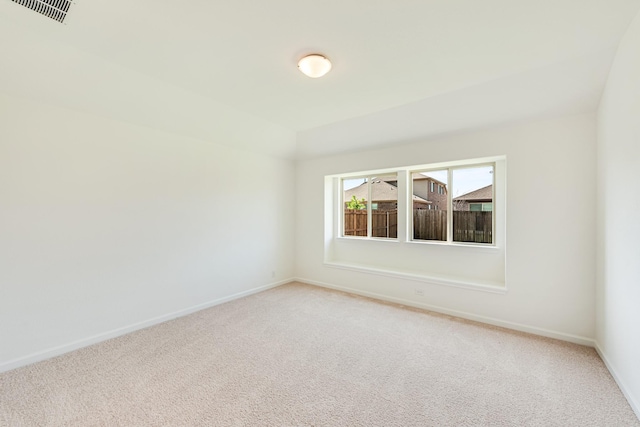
[54, 9]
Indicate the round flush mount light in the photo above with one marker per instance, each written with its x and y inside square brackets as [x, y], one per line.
[314, 65]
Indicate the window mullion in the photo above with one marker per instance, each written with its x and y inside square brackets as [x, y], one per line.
[449, 206]
[493, 205]
[404, 206]
[369, 210]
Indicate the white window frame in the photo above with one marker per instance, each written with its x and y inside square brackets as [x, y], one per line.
[450, 198]
[342, 203]
[407, 219]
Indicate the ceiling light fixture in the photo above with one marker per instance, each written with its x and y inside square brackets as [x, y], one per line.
[314, 65]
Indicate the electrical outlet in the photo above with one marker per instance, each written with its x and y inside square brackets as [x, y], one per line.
[420, 292]
[273, 274]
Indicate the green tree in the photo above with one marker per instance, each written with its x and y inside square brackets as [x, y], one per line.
[356, 204]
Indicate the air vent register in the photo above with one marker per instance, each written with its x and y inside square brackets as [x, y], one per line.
[54, 9]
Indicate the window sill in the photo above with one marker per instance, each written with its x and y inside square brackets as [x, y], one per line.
[366, 239]
[474, 246]
[480, 246]
[483, 286]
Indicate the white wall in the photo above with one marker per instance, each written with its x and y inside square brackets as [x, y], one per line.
[550, 241]
[104, 225]
[618, 278]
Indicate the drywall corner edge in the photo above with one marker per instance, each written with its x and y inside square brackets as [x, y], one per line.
[635, 405]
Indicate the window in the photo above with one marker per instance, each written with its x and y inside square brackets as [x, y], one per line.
[466, 216]
[473, 204]
[397, 226]
[355, 195]
[429, 208]
[481, 207]
[453, 204]
[370, 206]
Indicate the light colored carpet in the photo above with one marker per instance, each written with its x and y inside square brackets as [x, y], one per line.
[299, 355]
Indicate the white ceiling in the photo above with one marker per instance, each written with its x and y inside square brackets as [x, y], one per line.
[227, 70]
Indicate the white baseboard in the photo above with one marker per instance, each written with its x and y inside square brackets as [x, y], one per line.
[75, 345]
[635, 405]
[462, 314]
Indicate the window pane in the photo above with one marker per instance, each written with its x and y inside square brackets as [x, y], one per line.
[473, 204]
[430, 205]
[355, 194]
[384, 206]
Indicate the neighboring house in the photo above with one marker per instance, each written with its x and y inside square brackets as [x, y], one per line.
[477, 200]
[432, 191]
[384, 195]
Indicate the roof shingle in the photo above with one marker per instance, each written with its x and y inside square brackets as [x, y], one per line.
[381, 191]
[484, 193]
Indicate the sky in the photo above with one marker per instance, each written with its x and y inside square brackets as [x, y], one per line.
[465, 179]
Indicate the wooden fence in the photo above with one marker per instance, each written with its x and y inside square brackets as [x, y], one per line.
[428, 224]
[474, 227]
[355, 222]
[383, 223]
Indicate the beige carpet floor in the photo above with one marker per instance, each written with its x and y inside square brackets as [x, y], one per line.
[299, 355]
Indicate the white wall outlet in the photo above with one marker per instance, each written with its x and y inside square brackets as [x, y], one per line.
[420, 292]
[273, 274]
